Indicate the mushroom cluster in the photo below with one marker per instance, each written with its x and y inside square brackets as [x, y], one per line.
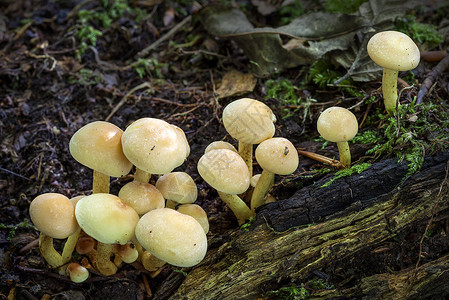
[151, 224]
[229, 171]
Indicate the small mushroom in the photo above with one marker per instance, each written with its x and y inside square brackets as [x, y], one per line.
[109, 220]
[196, 211]
[54, 215]
[98, 146]
[339, 125]
[227, 172]
[177, 188]
[141, 196]
[154, 147]
[394, 51]
[275, 156]
[250, 122]
[219, 145]
[173, 237]
[77, 273]
[128, 253]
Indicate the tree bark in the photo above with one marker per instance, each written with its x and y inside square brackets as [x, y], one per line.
[375, 235]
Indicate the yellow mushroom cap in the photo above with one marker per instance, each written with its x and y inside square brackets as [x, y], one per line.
[106, 218]
[337, 124]
[278, 156]
[249, 121]
[225, 171]
[178, 187]
[98, 146]
[393, 50]
[77, 273]
[219, 145]
[196, 211]
[54, 215]
[141, 196]
[154, 145]
[173, 237]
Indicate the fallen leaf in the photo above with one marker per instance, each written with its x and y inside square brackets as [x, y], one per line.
[235, 83]
[308, 38]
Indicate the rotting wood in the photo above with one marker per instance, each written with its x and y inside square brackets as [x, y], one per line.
[355, 246]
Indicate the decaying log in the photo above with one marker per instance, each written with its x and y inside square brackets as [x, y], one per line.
[373, 235]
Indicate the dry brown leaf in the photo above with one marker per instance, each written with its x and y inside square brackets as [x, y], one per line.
[235, 83]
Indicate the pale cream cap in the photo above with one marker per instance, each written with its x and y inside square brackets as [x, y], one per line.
[278, 156]
[173, 237]
[141, 196]
[219, 145]
[337, 124]
[249, 121]
[225, 171]
[178, 187]
[98, 146]
[106, 218]
[196, 211]
[54, 215]
[154, 146]
[393, 50]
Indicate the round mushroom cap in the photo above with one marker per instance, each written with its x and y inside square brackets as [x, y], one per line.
[249, 121]
[141, 196]
[178, 187]
[196, 211]
[224, 170]
[219, 145]
[337, 124]
[154, 146]
[393, 50]
[106, 218]
[182, 136]
[278, 156]
[98, 146]
[173, 237]
[254, 180]
[54, 215]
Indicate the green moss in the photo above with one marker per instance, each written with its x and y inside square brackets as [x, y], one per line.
[355, 169]
[291, 293]
[13, 228]
[343, 6]
[418, 129]
[290, 12]
[418, 31]
[286, 93]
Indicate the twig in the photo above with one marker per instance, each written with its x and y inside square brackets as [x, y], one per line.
[175, 29]
[442, 66]
[123, 101]
[13, 173]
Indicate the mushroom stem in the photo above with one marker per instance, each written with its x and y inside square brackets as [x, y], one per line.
[238, 207]
[260, 190]
[142, 176]
[104, 264]
[70, 245]
[100, 183]
[51, 256]
[150, 262]
[345, 153]
[246, 152]
[390, 89]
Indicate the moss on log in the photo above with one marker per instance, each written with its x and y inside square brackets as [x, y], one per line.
[372, 235]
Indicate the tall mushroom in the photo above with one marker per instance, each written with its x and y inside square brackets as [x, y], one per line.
[109, 220]
[394, 51]
[54, 215]
[339, 125]
[250, 122]
[154, 147]
[275, 156]
[98, 146]
[225, 171]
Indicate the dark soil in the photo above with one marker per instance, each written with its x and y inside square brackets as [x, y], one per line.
[46, 95]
